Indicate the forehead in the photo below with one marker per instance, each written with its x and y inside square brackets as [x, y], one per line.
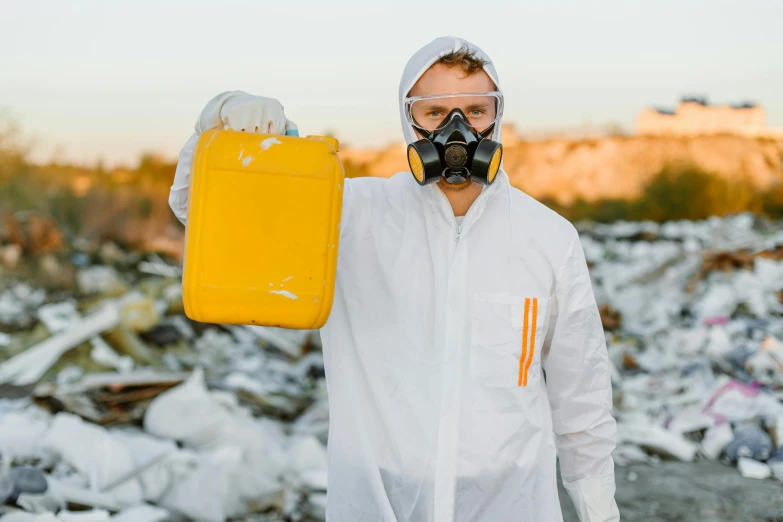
[440, 79]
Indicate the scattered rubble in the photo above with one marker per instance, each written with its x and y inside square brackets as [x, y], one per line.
[114, 406]
[698, 356]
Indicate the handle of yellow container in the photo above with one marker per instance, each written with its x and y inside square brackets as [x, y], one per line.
[332, 141]
[291, 128]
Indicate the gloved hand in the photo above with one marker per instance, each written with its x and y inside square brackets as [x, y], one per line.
[593, 498]
[240, 111]
[236, 110]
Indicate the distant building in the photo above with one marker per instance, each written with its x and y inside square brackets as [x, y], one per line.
[694, 116]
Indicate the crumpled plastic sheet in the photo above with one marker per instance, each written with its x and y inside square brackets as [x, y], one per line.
[245, 456]
[229, 461]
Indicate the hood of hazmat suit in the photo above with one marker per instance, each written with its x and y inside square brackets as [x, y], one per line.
[436, 349]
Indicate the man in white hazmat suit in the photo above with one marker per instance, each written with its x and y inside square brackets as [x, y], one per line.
[452, 300]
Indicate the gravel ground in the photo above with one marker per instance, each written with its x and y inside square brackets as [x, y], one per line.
[681, 492]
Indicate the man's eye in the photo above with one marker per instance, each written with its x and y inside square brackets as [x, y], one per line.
[434, 114]
[477, 112]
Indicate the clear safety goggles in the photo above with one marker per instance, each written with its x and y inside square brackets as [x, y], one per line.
[482, 109]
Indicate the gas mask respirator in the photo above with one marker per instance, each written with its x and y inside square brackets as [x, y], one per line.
[455, 150]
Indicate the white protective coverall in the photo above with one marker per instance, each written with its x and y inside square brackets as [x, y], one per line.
[436, 347]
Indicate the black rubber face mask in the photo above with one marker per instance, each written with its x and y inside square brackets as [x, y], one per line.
[456, 152]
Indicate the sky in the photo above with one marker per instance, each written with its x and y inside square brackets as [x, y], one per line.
[111, 79]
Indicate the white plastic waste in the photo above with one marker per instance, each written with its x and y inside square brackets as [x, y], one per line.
[30, 365]
[718, 341]
[770, 273]
[754, 469]
[18, 303]
[99, 279]
[656, 439]
[715, 440]
[206, 489]
[153, 460]
[21, 434]
[245, 455]
[720, 300]
[307, 463]
[735, 402]
[93, 450]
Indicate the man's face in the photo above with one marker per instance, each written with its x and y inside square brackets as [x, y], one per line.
[440, 79]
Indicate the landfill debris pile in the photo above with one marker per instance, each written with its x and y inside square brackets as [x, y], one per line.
[116, 407]
[693, 315]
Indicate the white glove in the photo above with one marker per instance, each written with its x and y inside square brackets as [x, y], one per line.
[236, 110]
[593, 498]
[240, 111]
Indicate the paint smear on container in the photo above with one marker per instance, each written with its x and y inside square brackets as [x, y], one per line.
[284, 293]
[269, 142]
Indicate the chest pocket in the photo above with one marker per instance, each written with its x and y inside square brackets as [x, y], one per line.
[507, 336]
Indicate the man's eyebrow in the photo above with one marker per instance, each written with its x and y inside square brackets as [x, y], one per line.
[433, 106]
[478, 105]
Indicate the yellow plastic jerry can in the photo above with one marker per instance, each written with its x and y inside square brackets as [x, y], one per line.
[263, 229]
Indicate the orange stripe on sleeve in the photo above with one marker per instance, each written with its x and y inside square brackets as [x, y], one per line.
[524, 343]
[532, 339]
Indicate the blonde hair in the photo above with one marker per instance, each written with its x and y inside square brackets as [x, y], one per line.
[465, 58]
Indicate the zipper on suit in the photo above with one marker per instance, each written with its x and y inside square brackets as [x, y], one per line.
[445, 467]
